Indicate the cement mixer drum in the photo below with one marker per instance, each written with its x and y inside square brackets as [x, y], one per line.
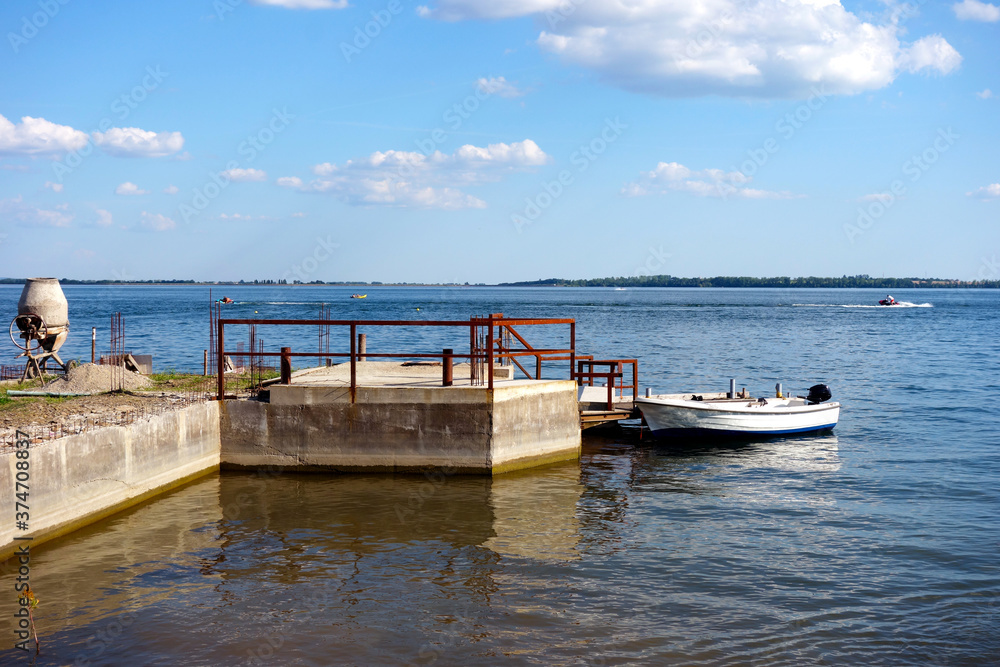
[42, 324]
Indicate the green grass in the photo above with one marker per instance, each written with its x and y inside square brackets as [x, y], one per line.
[8, 403]
[177, 381]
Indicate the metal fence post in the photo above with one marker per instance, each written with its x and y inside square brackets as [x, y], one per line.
[286, 365]
[447, 377]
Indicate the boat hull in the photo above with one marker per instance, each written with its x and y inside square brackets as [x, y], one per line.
[677, 417]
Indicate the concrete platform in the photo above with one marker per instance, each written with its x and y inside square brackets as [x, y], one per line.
[402, 420]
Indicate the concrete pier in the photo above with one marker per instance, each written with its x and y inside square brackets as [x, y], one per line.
[402, 420]
[80, 479]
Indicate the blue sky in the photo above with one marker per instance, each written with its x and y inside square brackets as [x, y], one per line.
[462, 140]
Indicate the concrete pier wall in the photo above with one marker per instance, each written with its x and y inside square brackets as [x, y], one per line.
[77, 480]
[404, 429]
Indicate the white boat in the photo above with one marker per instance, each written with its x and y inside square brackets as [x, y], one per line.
[715, 414]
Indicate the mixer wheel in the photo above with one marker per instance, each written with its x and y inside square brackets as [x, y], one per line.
[29, 327]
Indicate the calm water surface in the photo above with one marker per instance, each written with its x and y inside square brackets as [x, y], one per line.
[879, 544]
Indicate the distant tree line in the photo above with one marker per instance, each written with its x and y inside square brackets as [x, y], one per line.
[621, 281]
[747, 281]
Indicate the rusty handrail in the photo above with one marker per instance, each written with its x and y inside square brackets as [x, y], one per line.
[489, 355]
[617, 368]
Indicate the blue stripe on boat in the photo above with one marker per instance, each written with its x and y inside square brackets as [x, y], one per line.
[672, 432]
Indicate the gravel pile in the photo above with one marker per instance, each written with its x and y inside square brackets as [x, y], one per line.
[94, 378]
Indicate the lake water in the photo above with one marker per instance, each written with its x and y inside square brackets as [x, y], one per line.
[879, 544]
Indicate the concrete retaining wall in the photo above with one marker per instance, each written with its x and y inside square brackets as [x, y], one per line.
[80, 479]
[404, 429]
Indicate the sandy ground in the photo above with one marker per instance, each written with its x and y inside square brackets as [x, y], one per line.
[93, 378]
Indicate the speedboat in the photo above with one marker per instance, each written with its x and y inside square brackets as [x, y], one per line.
[737, 415]
[359, 296]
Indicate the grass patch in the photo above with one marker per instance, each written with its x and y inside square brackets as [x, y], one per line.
[176, 381]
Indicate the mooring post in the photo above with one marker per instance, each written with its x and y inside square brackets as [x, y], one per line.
[362, 346]
[447, 378]
[286, 365]
[93, 345]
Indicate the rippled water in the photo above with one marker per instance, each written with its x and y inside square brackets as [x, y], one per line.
[879, 544]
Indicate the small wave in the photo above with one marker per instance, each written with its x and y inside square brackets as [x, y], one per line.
[901, 304]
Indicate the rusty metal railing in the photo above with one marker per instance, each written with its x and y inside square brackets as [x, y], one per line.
[486, 354]
[615, 372]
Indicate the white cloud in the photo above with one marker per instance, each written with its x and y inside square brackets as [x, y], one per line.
[245, 175]
[931, 53]
[55, 187]
[135, 142]
[498, 86]
[985, 94]
[991, 191]
[973, 10]
[302, 4]
[156, 222]
[15, 210]
[128, 188]
[300, 214]
[234, 216]
[411, 179]
[37, 136]
[675, 177]
[171, 190]
[104, 218]
[741, 48]
[290, 182]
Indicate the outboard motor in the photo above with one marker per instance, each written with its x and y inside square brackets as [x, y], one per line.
[819, 393]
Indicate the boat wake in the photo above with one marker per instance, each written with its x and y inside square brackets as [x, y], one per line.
[900, 304]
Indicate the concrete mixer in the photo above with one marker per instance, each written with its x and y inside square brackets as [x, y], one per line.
[41, 325]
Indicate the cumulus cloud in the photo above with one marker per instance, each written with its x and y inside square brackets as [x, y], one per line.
[930, 53]
[245, 175]
[755, 48]
[498, 85]
[129, 188]
[135, 142]
[289, 182]
[37, 136]
[411, 179]
[104, 218]
[171, 190]
[991, 191]
[55, 187]
[675, 177]
[985, 94]
[973, 10]
[15, 210]
[156, 222]
[302, 4]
